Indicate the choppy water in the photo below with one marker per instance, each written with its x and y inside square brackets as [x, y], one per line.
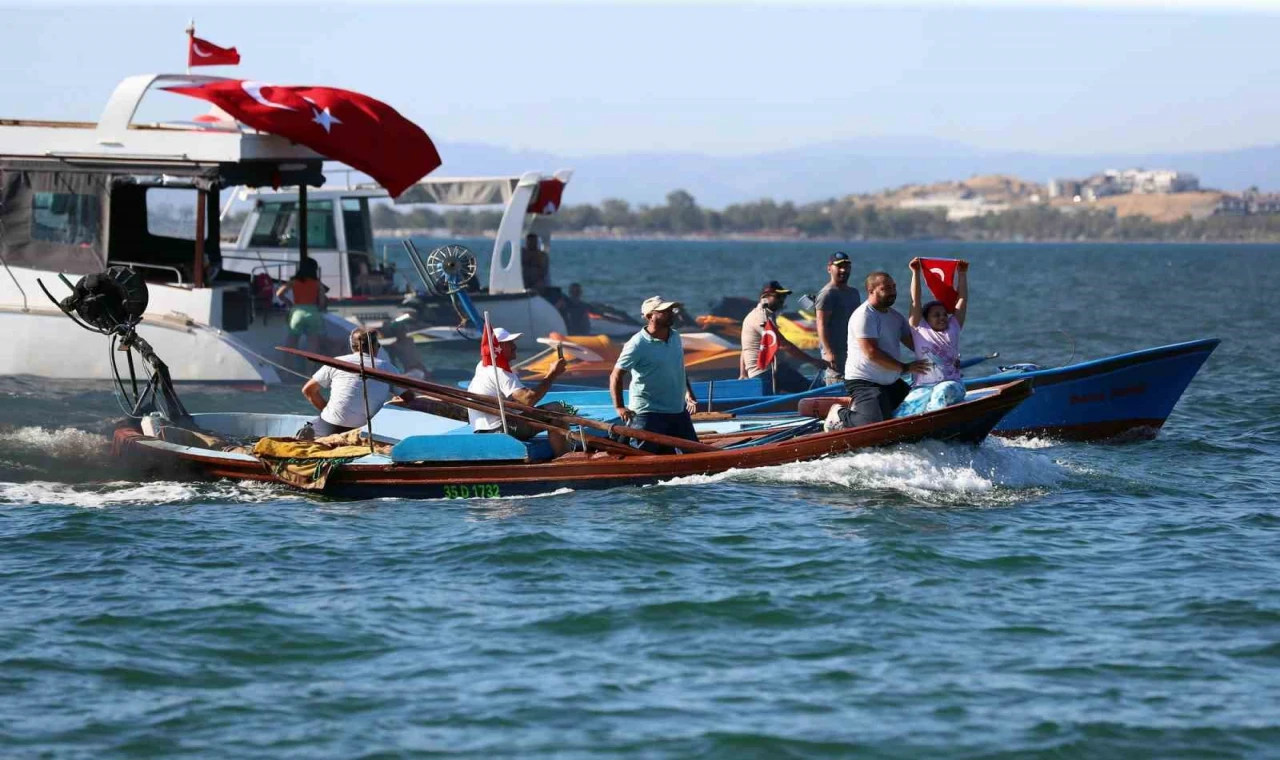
[1024, 598]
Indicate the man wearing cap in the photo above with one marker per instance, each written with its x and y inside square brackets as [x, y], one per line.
[785, 378]
[490, 381]
[835, 304]
[661, 399]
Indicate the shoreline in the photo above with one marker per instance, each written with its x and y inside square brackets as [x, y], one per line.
[401, 233]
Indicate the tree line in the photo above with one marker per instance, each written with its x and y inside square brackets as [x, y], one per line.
[846, 219]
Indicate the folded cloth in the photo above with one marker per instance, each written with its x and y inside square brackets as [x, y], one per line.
[306, 464]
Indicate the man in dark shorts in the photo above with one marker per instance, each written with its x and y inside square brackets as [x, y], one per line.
[661, 399]
[835, 304]
[872, 371]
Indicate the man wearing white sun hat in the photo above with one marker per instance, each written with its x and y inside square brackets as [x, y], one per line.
[508, 383]
[661, 399]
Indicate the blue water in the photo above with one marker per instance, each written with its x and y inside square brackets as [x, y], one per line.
[1021, 599]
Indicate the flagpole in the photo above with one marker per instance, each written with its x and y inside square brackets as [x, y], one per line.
[191, 33]
[493, 358]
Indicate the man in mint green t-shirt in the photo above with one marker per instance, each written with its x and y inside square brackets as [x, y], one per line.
[661, 399]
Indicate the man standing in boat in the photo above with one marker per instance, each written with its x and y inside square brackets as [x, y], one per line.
[872, 371]
[782, 377]
[661, 399]
[345, 409]
[835, 304]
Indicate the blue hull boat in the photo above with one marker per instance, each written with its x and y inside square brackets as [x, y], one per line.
[1126, 396]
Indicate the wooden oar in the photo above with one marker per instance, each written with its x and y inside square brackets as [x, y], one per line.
[531, 414]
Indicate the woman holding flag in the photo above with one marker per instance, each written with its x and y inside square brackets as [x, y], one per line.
[937, 324]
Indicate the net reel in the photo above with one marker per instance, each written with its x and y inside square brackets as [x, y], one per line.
[449, 268]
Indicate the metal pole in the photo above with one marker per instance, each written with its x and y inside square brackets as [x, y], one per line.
[497, 383]
[364, 388]
[302, 224]
[201, 200]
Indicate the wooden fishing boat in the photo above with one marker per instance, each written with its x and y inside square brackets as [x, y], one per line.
[496, 465]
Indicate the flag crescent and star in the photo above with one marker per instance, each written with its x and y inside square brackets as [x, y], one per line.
[768, 345]
[366, 134]
[940, 276]
[205, 53]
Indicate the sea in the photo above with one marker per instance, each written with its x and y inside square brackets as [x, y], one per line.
[1022, 599]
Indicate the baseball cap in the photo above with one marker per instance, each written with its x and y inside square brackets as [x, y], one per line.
[839, 257]
[656, 303]
[773, 286]
[501, 335]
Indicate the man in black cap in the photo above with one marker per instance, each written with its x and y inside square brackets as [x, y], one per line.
[835, 304]
[785, 378]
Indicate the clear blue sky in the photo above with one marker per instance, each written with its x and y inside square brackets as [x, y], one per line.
[584, 78]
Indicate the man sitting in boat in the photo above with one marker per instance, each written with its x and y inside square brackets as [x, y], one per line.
[779, 376]
[661, 399]
[492, 380]
[871, 373]
[345, 409]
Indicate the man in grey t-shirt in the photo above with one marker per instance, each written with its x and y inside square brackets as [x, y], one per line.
[871, 373]
[835, 304]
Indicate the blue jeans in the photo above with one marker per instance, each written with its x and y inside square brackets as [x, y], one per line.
[677, 425]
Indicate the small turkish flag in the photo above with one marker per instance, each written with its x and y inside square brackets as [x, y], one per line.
[490, 354]
[546, 200]
[768, 345]
[364, 133]
[940, 276]
[205, 53]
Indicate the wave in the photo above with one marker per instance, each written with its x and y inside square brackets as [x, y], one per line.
[928, 470]
[127, 493]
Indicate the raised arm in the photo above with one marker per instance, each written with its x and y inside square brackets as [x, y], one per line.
[917, 302]
[962, 289]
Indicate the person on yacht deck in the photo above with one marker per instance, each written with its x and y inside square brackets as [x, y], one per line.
[345, 408]
[937, 331]
[494, 380]
[309, 300]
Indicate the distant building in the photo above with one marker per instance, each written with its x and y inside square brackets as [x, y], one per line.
[1250, 202]
[957, 205]
[1122, 182]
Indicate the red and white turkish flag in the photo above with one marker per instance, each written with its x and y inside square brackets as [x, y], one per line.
[940, 276]
[768, 345]
[205, 53]
[546, 199]
[364, 133]
[489, 353]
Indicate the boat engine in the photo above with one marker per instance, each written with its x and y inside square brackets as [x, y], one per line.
[111, 303]
[108, 299]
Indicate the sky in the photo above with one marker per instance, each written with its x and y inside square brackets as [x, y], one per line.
[719, 78]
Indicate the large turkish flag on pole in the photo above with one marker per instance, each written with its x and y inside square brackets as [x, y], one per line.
[205, 53]
[940, 276]
[364, 133]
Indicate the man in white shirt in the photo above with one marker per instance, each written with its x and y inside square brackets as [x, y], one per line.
[345, 409]
[872, 370]
[490, 381]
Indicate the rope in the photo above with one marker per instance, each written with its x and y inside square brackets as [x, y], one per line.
[253, 353]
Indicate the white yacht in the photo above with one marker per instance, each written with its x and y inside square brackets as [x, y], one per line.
[364, 289]
[77, 197]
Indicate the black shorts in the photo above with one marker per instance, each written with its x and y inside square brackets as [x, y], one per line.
[873, 402]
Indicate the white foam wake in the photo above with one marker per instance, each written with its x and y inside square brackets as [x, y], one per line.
[928, 470]
[123, 493]
[62, 443]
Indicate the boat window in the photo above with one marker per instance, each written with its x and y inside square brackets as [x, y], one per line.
[277, 225]
[355, 218]
[65, 217]
[171, 213]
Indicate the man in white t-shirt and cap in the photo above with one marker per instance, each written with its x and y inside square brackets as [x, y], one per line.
[492, 380]
[872, 370]
[345, 408]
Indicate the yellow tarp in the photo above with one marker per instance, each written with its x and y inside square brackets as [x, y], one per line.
[307, 464]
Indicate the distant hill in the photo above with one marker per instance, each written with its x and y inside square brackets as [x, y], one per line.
[835, 169]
